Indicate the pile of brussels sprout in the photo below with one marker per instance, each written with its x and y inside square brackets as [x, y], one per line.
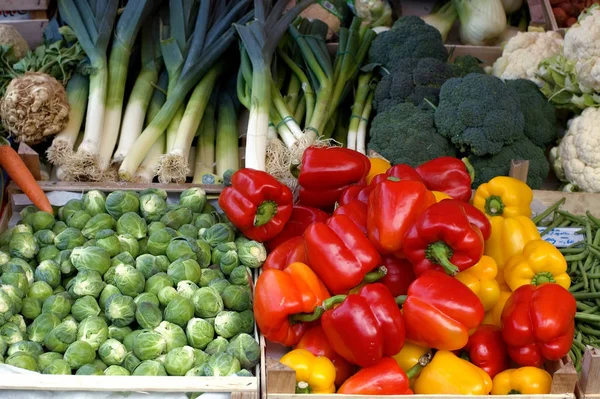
[127, 284]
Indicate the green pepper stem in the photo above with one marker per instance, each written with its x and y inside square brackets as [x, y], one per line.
[392, 178]
[303, 387]
[417, 368]
[264, 213]
[332, 301]
[465, 356]
[295, 170]
[376, 275]
[514, 392]
[307, 317]
[401, 299]
[470, 168]
[440, 253]
[543, 277]
[494, 205]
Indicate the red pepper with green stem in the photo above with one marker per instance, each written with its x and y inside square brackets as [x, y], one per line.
[399, 275]
[449, 175]
[257, 204]
[355, 210]
[443, 238]
[285, 254]
[383, 378]
[476, 217]
[486, 349]
[301, 218]
[340, 254]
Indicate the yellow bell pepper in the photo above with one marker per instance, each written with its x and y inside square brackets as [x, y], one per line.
[449, 374]
[440, 196]
[504, 196]
[314, 374]
[493, 315]
[509, 237]
[540, 262]
[410, 355]
[481, 279]
[378, 166]
[522, 381]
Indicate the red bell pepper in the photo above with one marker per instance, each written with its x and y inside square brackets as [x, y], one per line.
[285, 254]
[355, 210]
[476, 217]
[315, 341]
[439, 311]
[257, 204]
[325, 173]
[278, 295]
[383, 378]
[443, 238]
[339, 253]
[449, 175]
[404, 172]
[486, 350]
[393, 208]
[302, 217]
[399, 275]
[538, 323]
[365, 326]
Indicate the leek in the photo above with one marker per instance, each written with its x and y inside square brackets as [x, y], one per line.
[227, 137]
[362, 92]
[361, 142]
[205, 147]
[202, 55]
[93, 27]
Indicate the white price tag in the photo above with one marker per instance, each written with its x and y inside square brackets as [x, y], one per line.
[562, 237]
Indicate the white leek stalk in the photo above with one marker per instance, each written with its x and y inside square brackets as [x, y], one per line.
[205, 147]
[362, 92]
[361, 140]
[227, 136]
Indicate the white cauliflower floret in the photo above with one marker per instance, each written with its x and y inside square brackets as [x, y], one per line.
[524, 52]
[578, 151]
[582, 46]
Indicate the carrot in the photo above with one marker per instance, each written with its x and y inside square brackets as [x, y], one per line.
[16, 169]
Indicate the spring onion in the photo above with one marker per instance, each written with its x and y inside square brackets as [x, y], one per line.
[362, 92]
[227, 154]
[205, 147]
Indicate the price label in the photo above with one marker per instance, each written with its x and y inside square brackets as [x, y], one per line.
[562, 237]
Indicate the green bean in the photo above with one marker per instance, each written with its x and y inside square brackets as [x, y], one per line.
[583, 306]
[593, 309]
[594, 219]
[587, 317]
[592, 276]
[566, 223]
[553, 225]
[551, 209]
[579, 345]
[587, 330]
[586, 295]
[571, 250]
[576, 287]
[580, 256]
[579, 220]
[586, 283]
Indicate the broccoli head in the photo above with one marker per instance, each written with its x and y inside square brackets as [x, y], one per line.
[413, 80]
[488, 167]
[410, 37]
[479, 114]
[406, 134]
[466, 64]
[539, 113]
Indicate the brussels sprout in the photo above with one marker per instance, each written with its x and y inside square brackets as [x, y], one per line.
[199, 333]
[188, 230]
[32, 348]
[22, 360]
[97, 223]
[217, 234]
[177, 217]
[219, 284]
[27, 214]
[173, 335]
[181, 248]
[91, 258]
[120, 202]
[93, 330]
[44, 238]
[49, 252]
[120, 310]
[237, 297]
[245, 348]
[221, 249]
[78, 219]
[229, 261]
[6, 235]
[143, 244]
[152, 207]
[23, 245]
[158, 242]
[200, 357]
[246, 319]
[107, 292]
[227, 324]
[118, 333]
[131, 223]
[157, 282]
[89, 369]
[42, 221]
[85, 307]
[14, 295]
[179, 311]
[69, 238]
[204, 253]
[16, 280]
[11, 333]
[69, 208]
[116, 370]
[186, 288]
[19, 320]
[21, 228]
[124, 258]
[146, 297]
[59, 304]
[86, 282]
[130, 339]
[163, 263]
[207, 302]
[39, 290]
[155, 226]
[59, 227]
[252, 254]
[193, 198]
[41, 326]
[64, 262]
[17, 265]
[197, 371]
[131, 362]
[149, 345]
[241, 275]
[112, 352]
[148, 315]
[147, 265]
[107, 240]
[241, 240]
[32, 307]
[179, 361]
[204, 221]
[166, 295]
[128, 243]
[94, 202]
[157, 191]
[150, 368]
[57, 367]
[129, 280]
[3, 346]
[7, 308]
[4, 258]
[221, 364]
[49, 272]
[61, 336]
[79, 353]
[184, 269]
[45, 359]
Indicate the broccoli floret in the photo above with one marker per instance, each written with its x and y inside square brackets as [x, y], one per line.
[413, 80]
[539, 113]
[479, 114]
[488, 167]
[466, 64]
[406, 134]
[410, 37]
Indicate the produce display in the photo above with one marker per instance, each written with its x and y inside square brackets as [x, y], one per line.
[128, 284]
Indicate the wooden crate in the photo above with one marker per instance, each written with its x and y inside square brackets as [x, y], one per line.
[588, 386]
[239, 387]
[553, 23]
[33, 17]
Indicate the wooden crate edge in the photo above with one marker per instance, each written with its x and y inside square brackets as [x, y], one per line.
[24, 5]
[588, 386]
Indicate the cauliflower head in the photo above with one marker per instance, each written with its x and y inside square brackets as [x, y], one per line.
[578, 151]
[582, 46]
[524, 52]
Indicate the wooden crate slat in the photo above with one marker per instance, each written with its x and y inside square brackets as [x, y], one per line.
[23, 5]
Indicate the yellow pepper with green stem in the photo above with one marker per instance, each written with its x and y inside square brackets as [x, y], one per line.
[410, 355]
[481, 279]
[522, 381]
[314, 374]
[504, 196]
